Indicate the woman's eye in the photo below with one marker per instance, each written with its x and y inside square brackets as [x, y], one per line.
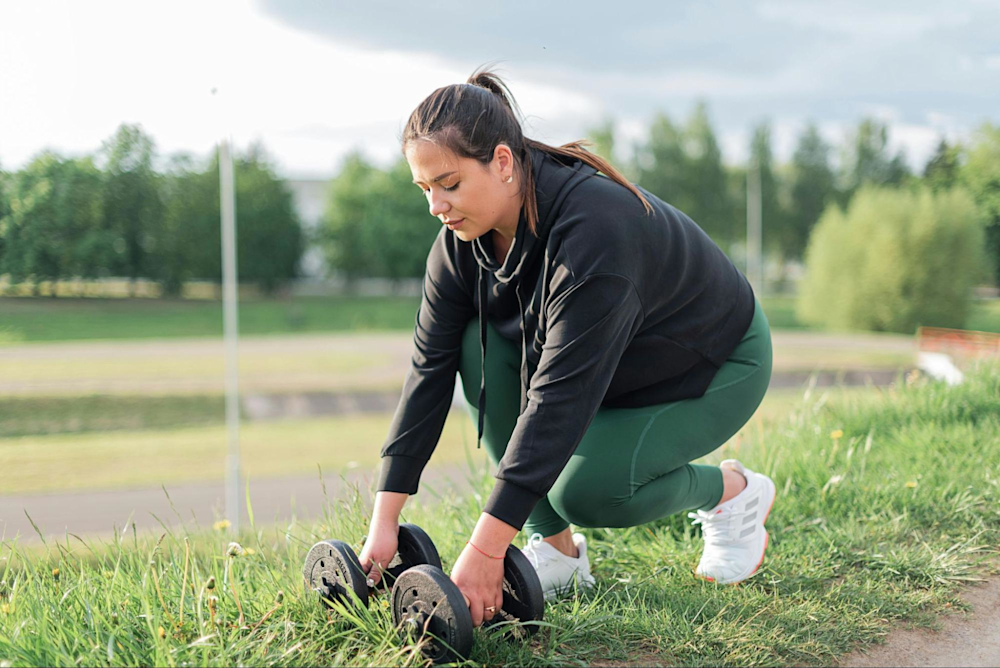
[451, 188]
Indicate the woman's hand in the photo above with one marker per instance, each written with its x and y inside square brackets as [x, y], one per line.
[380, 547]
[481, 580]
[382, 542]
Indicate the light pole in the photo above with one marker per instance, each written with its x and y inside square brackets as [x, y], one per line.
[227, 201]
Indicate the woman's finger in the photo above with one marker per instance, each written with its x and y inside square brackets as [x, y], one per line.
[476, 609]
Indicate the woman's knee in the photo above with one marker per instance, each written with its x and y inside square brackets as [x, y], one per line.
[585, 504]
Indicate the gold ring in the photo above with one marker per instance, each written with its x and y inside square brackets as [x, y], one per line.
[491, 608]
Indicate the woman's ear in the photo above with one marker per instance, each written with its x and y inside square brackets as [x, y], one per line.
[504, 160]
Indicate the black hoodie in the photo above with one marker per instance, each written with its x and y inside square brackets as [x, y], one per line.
[610, 307]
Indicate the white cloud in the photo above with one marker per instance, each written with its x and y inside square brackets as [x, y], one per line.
[75, 71]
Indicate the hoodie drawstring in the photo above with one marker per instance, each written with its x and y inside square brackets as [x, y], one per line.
[483, 298]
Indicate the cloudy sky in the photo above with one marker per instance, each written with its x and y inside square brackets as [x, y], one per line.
[314, 79]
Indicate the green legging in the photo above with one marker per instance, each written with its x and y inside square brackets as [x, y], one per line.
[633, 464]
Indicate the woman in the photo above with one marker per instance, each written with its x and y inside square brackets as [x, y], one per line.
[610, 340]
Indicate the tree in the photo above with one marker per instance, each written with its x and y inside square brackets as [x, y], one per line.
[981, 175]
[132, 206]
[4, 211]
[812, 188]
[269, 236]
[350, 214]
[705, 178]
[403, 229]
[54, 227]
[684, 167]
[941, 171]
[896, 259]
[867, 160]
[190, 241]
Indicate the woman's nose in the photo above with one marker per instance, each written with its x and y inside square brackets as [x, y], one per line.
[438, 205]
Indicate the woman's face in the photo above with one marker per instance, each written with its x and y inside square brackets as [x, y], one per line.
[469, 197]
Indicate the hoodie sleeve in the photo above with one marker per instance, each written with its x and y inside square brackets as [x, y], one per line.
[588, 328]
[445, 310]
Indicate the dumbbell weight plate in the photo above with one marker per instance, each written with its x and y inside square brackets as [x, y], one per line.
[523, 599]
[415, 548]
[332, 570]
[426, 603]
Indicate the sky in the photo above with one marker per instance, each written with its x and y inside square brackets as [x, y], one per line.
[315, 79]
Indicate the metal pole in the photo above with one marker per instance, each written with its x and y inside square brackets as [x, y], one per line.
[755, 268]
[230, 332]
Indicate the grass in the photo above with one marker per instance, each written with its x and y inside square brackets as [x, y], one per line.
[136, 443]
[126, 459]
[26, 320]
[888, 501]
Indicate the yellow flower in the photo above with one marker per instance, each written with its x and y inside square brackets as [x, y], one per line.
[6, 608]
[55, 573]
[911, 484]
[249, 551]
[222, 525]
[837, 433]
[163, 632]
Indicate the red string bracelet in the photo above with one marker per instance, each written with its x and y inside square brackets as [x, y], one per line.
[469, 542]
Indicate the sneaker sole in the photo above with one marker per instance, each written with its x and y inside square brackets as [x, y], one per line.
[774, 497]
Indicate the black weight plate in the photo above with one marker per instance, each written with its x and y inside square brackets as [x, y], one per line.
[332, 570]
[415, 548]
[523, 600]
[426, 603]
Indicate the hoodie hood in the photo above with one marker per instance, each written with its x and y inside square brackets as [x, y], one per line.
[555, 177]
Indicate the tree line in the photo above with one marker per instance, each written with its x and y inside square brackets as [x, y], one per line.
[113, 215]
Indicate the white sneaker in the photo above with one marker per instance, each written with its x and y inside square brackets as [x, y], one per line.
[555, 570]
[735, 537]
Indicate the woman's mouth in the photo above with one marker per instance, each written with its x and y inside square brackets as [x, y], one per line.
[455, 224]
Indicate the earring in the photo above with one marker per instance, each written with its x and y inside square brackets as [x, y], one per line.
[509, 179]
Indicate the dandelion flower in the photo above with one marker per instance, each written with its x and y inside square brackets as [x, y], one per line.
[911, 484]
[6, 608]
[837, 434]
[222, 525]
[250, 551]
[163, 632]
[55, 574]
[279, 597]
[210, 585]
[234, 550]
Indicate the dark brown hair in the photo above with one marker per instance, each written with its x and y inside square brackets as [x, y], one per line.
[471, 119]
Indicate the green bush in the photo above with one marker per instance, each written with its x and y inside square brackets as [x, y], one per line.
[896, 259]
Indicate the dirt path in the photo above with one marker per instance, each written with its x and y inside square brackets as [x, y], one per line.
[964, 639]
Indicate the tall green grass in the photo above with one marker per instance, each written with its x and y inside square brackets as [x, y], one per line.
[887, 502]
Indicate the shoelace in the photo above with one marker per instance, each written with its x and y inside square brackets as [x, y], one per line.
[532, 551]
[715, 526]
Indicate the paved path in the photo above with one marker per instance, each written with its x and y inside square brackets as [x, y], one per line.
[277, 500]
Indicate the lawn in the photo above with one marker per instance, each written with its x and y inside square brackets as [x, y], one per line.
[887, 502]
[24, 320]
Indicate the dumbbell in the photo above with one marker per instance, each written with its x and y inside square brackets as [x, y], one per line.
[332, 568]
[427, 604]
